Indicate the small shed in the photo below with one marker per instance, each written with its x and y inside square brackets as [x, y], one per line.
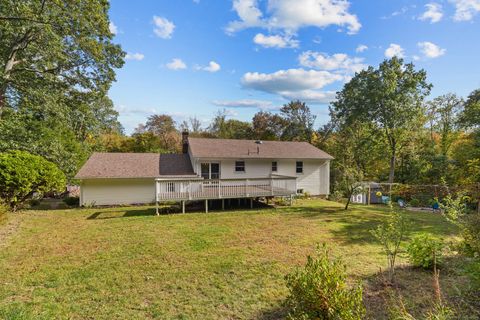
[368, 195]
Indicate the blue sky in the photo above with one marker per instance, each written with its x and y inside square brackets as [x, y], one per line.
[193, 58]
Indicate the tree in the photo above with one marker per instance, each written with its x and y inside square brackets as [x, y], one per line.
[267, 126]
[299, 121]
[57, 62]
[51, 48]
[224, 128]
[390, 234]
[163, 127]
[470, 118]
[195, 125]
[23, 174]
[389, 98]
[444, 112]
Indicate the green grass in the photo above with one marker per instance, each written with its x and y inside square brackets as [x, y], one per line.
[126, 263]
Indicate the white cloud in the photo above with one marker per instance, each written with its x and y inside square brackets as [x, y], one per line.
[311, 96]
[246, 103]
[361, 48]
[135, 56]
[465, 10]
[394, 50]
[176, 64]
[338, 61]
[293, 83]
[212, 67]
[163, 27]
[230, 113]
[275, 41]
[112, 27]
[291, 15]
[431, 50]
[433, 13]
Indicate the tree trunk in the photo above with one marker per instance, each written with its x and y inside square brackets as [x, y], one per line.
[348, 200]
[2, 102]
[391, 176]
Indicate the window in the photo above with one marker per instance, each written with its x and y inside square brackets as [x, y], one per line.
[299, 167]
[239, 166]
[210, 170]
[171, 187]
[274, 166]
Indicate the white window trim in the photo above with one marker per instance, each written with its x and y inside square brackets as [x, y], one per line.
[303, 168]
[244, 167]
[271, 166]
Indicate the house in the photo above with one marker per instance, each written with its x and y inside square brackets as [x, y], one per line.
[207, 169]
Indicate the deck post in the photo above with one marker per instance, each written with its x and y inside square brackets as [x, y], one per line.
[251, 203]
[223, 204]
[291, 200]
[156, 198]
[183, 206]
[271, 185]
[206, 205]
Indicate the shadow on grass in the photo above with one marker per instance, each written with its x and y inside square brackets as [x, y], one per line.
[273, 314]
[101, 215]
[353, 226]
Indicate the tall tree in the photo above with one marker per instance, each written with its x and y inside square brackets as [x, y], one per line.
[54, 47]
[389, 98]
[163, 127]
[444, 112]
[221, 127]
[470, 118]
[299, 121]
[267, 126]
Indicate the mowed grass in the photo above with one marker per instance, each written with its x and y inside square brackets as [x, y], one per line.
[127, 263]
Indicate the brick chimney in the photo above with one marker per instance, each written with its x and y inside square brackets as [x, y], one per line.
[185, 141]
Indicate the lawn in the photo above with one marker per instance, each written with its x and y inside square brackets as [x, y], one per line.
[127, 263]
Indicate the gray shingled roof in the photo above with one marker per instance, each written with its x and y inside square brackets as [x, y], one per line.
[135, 165]
[228, 148]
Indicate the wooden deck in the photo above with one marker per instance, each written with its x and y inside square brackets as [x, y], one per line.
[199, 189]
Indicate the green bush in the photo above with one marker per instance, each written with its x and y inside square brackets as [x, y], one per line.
[23, 174]
[72, 201]
[424, 249]
[320, 290]
[34, 202]
[471, 234]
[414, 202]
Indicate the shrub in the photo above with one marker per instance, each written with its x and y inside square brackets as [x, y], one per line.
[72, 201]
[414, 202]
[34, 202]
[456, 211]
[320, 291]
[424, 250]
[471, 234]
[23, 174]
[335, 196]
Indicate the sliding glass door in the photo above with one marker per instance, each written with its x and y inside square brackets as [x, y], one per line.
[210, 170]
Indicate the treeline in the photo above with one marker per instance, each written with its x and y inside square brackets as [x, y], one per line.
[160, 133]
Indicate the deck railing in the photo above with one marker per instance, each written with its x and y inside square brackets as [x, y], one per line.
[199, 189]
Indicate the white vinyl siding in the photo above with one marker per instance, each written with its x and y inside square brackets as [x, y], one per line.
[117, 191]
[315, 178]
